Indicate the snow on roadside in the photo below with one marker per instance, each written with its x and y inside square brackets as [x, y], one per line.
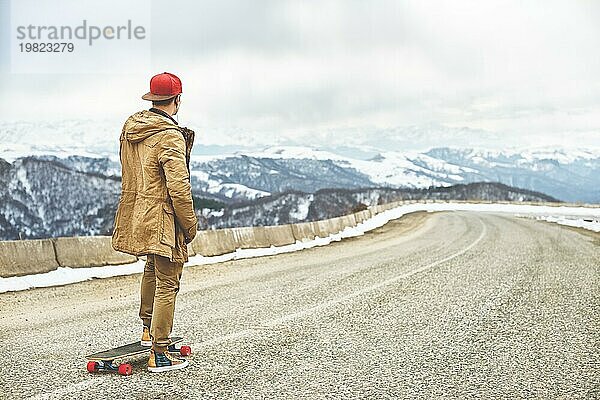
[65, 275]
[587, 223]
[573, 216]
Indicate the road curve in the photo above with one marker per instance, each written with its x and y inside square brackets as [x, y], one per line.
[440, 305]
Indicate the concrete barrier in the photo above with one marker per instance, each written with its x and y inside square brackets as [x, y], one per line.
[321, 228]
[280, 235]
[225, 240]
[88, 251]
[190, 250]
[260, 237]
[378, 209]
[358, 217]
[361, 216]
[304, 231]
[200, 244]
[348, 221]
[24, 257]
[335, 225]
[244, 237]
[214, 242]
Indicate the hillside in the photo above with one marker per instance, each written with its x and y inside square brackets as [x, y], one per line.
[67, 195]
[291, 207]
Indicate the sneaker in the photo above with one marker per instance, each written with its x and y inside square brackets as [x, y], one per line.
[160, 362]
[146, 339]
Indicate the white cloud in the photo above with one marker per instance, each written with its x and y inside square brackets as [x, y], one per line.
[524, 72]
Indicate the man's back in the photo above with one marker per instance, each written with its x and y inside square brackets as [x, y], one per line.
[155, 212]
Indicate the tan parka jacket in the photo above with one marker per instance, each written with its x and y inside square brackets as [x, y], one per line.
[155, 214]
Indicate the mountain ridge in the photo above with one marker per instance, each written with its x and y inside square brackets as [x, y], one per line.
[67, 194]
[296, 206]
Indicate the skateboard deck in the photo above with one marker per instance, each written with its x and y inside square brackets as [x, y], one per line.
[103, 360]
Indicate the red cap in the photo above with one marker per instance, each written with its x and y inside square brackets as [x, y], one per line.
[163, 86]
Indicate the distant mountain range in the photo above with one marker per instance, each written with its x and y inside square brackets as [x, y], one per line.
[44, 197]
[61, 194]
[48, 197]
[235, 173]
[569, 175]
[294, 206]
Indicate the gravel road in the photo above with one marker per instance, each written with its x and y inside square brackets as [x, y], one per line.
[442, 305]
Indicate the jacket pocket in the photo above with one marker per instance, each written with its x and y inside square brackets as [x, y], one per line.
[167, 234]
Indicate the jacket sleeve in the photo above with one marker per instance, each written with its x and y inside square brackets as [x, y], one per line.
[171, 156]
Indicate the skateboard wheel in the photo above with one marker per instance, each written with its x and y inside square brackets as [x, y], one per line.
[185, 350]
[125, 369]
[92, 366]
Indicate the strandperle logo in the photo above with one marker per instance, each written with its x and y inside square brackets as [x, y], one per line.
[85, 31]
[70, 36]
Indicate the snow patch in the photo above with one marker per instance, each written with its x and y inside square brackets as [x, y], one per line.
[301, 212]
[235, 190]
[585, 223]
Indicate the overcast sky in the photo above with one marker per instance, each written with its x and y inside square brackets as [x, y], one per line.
[519, 73]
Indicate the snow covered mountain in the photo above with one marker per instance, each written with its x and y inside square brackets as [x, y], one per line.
[567, 174]
[258, 175]
[570, 175]
[292, 207]
[63, 178]
[64, 194]
[43, 197]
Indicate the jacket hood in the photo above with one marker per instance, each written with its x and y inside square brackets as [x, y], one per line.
[144, 124]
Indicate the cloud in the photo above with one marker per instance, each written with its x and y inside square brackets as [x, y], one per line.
[276, 71]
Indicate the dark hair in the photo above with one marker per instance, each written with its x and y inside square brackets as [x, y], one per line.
[163, 102]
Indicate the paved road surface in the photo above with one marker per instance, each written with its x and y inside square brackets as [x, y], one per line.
[454, 305]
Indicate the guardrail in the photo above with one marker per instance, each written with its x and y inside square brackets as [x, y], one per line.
[24, 257]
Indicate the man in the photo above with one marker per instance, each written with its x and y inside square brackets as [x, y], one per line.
[155, 216]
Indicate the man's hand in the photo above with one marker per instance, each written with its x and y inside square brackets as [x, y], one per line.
[191, 233]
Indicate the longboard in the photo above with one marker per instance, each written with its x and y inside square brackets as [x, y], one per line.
[104, 360]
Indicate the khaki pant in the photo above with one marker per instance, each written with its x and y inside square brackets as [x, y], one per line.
[160, 284]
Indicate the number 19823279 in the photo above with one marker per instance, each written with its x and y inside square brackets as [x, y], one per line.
[59, 47]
